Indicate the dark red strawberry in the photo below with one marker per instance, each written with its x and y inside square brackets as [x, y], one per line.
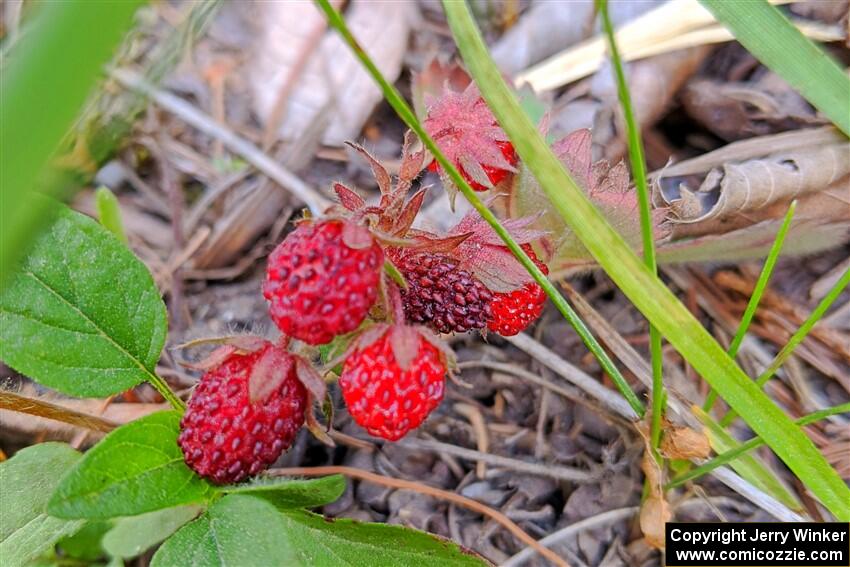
[441, 295]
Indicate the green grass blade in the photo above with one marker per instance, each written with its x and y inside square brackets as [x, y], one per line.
[409, 117]
[109, 213]
[755, 298]
[638, 163]
[797, 337]
[748, 466]
[639, 284]
[44, 83]
[744, 448]
[773, 40]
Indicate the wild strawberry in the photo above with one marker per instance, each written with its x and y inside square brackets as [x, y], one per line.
[392, 383]
[322, 280]
[464, 128]
[514, 311]
[224, 436]
[441, 295]
[495, 174]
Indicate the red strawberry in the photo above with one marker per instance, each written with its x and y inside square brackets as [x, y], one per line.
[224, 436]
[322, 280]
[514, 311]
[392, 383]
[495, 174]
[441, 295]
[464, 128]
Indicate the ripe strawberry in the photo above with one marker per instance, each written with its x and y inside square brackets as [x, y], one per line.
[495, 174]
[224, 436]
[514, 311]
[322, 280]
[441, 295]
[464, 128]
[391, 384]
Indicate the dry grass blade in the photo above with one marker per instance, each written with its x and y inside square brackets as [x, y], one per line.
[421, 488]
[23, 404]
[244, 148]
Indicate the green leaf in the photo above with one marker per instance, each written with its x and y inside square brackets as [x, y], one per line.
[244, 530]
[82, 314]
[134, 535]
[652, 298]
[748, 466]
[26, 482]
[109, 213]
[293, 493]
[135, 469]
[46, 79]
[86, 543]
[237, 530]
[774, 40]
[316, 540]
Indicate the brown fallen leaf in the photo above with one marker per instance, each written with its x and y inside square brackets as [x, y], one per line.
[737, 110]
[593, 103]
[332, 74]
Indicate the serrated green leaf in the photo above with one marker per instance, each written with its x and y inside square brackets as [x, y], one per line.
[320, 541]
[293, 493]
[134, 535]
[238, 530]
[26, 482]
[748, 466]
[135, 469]
[244, 530]
[81, 314]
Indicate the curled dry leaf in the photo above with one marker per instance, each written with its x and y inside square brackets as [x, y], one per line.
[735, 188]
[685, 443]
[654, 514]
[331, 75]
[728, 204]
